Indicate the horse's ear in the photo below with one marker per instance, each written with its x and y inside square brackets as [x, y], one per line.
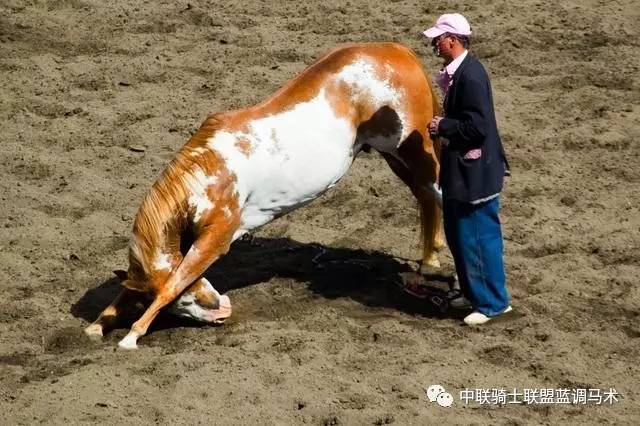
[121, 274]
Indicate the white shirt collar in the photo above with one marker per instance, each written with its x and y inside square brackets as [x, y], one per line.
[453, 65]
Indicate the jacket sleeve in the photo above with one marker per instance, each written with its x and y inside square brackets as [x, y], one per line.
[469, 128]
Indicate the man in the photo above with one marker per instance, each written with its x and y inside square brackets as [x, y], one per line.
[473, 165]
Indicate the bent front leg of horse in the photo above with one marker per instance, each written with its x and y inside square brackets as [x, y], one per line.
[109, 316]
[205, 250]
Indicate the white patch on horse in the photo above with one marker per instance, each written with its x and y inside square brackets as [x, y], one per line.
[239, 233]
[227, 211]
[199, 200]
[362, 78]
[129, 341]
[298, 154]
[367, 85]
[162, 261]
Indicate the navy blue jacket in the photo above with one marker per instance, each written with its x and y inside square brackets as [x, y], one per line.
[469, 122]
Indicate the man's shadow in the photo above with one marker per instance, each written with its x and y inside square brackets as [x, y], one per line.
[371, 278]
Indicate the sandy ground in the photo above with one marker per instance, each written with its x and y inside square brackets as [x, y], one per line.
[82, 82]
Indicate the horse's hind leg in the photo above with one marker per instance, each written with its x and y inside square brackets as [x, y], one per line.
[431, 230]
[430, 215]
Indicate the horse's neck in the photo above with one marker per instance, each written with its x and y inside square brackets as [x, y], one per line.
[155, 246]
[161, 218]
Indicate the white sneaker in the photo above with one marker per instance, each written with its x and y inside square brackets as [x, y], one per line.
[460, 302]
[476, 318]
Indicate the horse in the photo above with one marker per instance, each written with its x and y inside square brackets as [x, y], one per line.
[243, 168]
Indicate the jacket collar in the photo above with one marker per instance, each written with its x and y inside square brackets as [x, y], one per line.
[463, 64]
[455, 64]
[451, 92]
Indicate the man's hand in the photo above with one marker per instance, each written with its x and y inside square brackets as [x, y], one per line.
[434, 124]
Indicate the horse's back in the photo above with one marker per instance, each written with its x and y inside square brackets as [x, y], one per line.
[299, 142]
[380, 63]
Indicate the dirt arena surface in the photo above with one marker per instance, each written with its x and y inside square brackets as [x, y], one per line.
[94, 99]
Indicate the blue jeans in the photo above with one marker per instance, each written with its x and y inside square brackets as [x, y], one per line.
[474, 237]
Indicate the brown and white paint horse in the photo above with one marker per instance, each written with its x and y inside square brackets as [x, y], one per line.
[244, 168]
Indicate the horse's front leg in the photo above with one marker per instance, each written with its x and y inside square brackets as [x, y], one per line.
[109, 316]
[213, 242]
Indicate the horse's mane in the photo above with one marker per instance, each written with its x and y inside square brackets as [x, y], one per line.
[164, 210]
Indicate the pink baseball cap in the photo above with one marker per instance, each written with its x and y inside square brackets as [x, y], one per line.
[452, 23]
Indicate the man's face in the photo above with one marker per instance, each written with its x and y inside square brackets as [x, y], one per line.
[443, 46]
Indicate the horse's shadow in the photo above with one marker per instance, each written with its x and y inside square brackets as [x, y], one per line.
[368, 277]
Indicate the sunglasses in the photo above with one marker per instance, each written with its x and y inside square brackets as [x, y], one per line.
[436, 40]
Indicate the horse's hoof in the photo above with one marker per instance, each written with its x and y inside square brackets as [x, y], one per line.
[129, 342]
[94, 331]
[431, 263]
[431, 266]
